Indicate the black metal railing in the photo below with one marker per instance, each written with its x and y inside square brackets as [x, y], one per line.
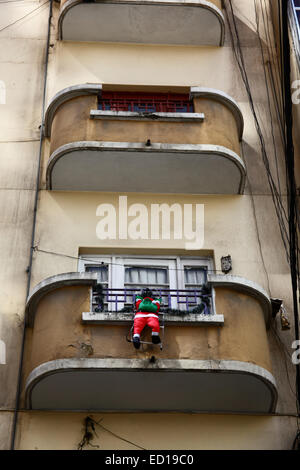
[174, 301]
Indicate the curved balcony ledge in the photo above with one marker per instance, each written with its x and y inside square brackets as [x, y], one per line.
[65, 95]
[248, 287]
[220, 363]
[194, 152]
[196, 169]
[221, 97]
[192, 22]
[96, 89]
[173, 385]
[237, 283]
[52, 283]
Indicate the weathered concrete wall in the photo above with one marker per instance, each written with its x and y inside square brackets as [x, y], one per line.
[217, 3]
[244, 226]
[22, 48]
[170, 431]
[58, 333]
[72, 123]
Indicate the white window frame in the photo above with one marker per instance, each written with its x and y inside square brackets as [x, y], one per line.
[175, 264]
[295, 28]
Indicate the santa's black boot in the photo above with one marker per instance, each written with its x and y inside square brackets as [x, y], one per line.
[136, 342]
[155, 339]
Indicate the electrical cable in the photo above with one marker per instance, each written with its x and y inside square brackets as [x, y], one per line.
[90, 431]
[257, 230]
[267, 34]
[291, 183]
[106, 263]
[289, 232]
[117, 436]
[278, 204]
[25, 16]
[240, 61]
[285, 353]
[267, 21]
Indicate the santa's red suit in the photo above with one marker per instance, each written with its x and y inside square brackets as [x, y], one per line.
[147, 309]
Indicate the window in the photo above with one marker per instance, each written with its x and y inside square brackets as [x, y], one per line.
[297, 9]
[145, 102]
[294, 17]
[180, 282]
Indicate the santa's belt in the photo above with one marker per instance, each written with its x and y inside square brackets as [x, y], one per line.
[143, 315]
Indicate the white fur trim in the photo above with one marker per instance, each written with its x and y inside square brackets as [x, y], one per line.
[144, 315]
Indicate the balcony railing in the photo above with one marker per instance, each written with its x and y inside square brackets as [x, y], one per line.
[205, 366]
[174, 301]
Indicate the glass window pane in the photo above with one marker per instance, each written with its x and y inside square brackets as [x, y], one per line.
[195, 276]
[146, 276]
[139, 277]
[102, 272]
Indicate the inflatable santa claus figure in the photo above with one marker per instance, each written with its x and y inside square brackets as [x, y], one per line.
[147, 309]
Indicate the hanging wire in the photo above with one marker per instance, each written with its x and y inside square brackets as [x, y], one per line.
[287, 220]
[276, 197]
[25, 16]
[90, 430]
[108, 263]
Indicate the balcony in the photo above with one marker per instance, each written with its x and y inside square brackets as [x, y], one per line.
[213, 361]
[101, 144]
[195, 22]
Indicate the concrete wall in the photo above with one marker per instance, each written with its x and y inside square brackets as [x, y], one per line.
[22, 55]
[58, 332]
[72, 123]
[159, 431]
[218, 3]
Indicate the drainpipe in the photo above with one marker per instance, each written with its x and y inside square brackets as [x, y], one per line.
[29, 268]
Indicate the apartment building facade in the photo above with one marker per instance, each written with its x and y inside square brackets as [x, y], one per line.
[141, 147]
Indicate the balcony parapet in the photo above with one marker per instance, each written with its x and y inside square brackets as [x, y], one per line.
[241, 284]
[217, 362]
[190, 152]
[172, 22]
[221, 97]
[237, 283]
[193, 157]
[173, 385]
[65, 95]
[96, 89]
[55, 282]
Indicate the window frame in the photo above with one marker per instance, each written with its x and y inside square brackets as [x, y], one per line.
[175, 264]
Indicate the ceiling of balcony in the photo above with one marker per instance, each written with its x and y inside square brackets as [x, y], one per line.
[149, 22]
[231, 387]
[160, 168]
